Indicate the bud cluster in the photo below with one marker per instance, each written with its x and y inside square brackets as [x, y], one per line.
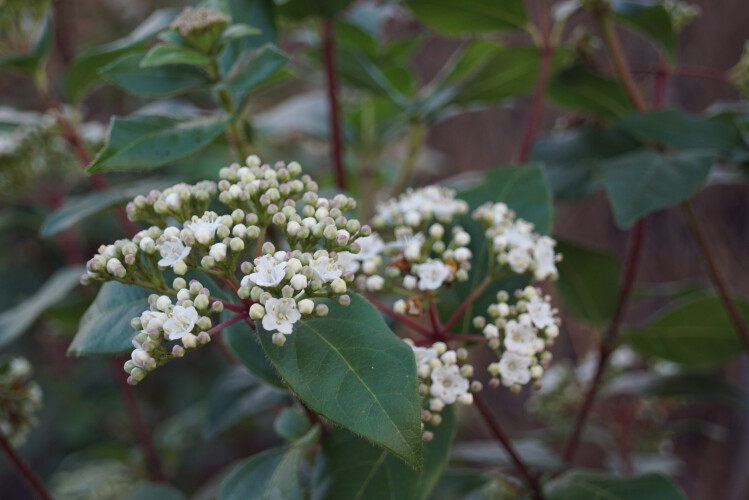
[200, 26]
[515, 247]
[167, 330]
[20, 399]
[520, 335]
[443, 379]
[178, 202]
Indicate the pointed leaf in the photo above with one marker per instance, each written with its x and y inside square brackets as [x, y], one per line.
[468, 17]
[246, 347]
[253, 68]
[260, 14]
[236, 31]
[652, 20]
[16, 320]
[161, 55]
[583, 89]
[350, 467]
[645, 181]
[596, 486]
[105, 327]
[350, 368]
[30, 62]
[145, 141]
[77, 208]
[697, 334]
[128, 73]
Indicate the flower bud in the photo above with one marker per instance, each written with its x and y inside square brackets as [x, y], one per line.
[257, 311]
[306, 306]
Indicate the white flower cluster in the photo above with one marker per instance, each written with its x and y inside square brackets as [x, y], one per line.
[178, 202]
[515, 245]
[20, 399]
[520, 335]
[282, 286]
[444, 379]
[185, 322]
[416, 208]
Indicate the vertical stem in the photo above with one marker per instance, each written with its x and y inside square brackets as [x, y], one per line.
[24, 469]
[626, 281]
[542, 85]
[611, 40]
[496, 430]
[417, 132]
[336, 140]
[715, 276]
[139, 426]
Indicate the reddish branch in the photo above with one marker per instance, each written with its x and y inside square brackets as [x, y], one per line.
[336, 139]
[24, 469]
[475, 294]
[403, 319]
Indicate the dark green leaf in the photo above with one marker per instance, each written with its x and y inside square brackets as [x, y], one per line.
[84, 71]
[588, 283]
[652, 20]
[155, 491]
[291, 424]
[676, 129]
[576, 485]
[532, 451]
[460, 483]
[350, 467]
[645, 181]
[77, 208]
[236, 31]
[573, 159]
[350, 368]
[159, 81]
[469, 17]
[236, 396]
[16, 320]
[253, 68]
[301, 9]
[697, 334]
[145, 141]
[31, 62]
[243, 342]
[260, 14]
[105, 327]
[525, 190]
[581, 88]
[358, 70]
[162, 55]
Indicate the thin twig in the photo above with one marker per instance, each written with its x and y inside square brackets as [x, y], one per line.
[627, 279]
[417, 133]
[498, 433]
[611, 40]
[475, 294]
[130, 400]
[336, 138]
[24, 469]
[402, 318]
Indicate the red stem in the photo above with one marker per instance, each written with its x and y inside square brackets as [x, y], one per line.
[403, 319]
[228, 322]
[629, 271]
[229, 305]
[659, 86]
[689, 71]
[24, 469]
[475, 294]
[336, 141]
[542, 85]
[495, 428]
[139, 426]
[435, 319]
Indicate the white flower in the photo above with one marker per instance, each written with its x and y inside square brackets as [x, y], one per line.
[172, 251]
[325, 268]
[348, 261]
[432, 274]
[371, 246]
[519, 260]
[424, 357]
[218, 252]
[152, 320]
[543, 253]
[268, 271]
[375, 283]
[515, 369]
[409, 244]
[448, 384]
[204, 228]
[181, 321]
[280, 314]
[520, 338]
[540, 312]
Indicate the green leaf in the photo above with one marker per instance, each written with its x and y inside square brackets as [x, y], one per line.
[77, 208]
[236, 396]
[243, 342]
[236, 31]
[651, 20]
[596, 486]
[105, 327]
[272, 474]
[676, 129]
[30, 63]
[697, 334]
[358, 70]
[260, 14]
[588, 283]
[157, 81]
[531, 451]
[350, 467]
[162, 55]
[646, 181]
[573, 159]
[84, 71]
[16, 320]
[145, 141]
[581, 88]
[291, 424]
[350, 368]
[469, 17]
[302, 9]
[155, 491]
[253, 68]
[525, 190]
